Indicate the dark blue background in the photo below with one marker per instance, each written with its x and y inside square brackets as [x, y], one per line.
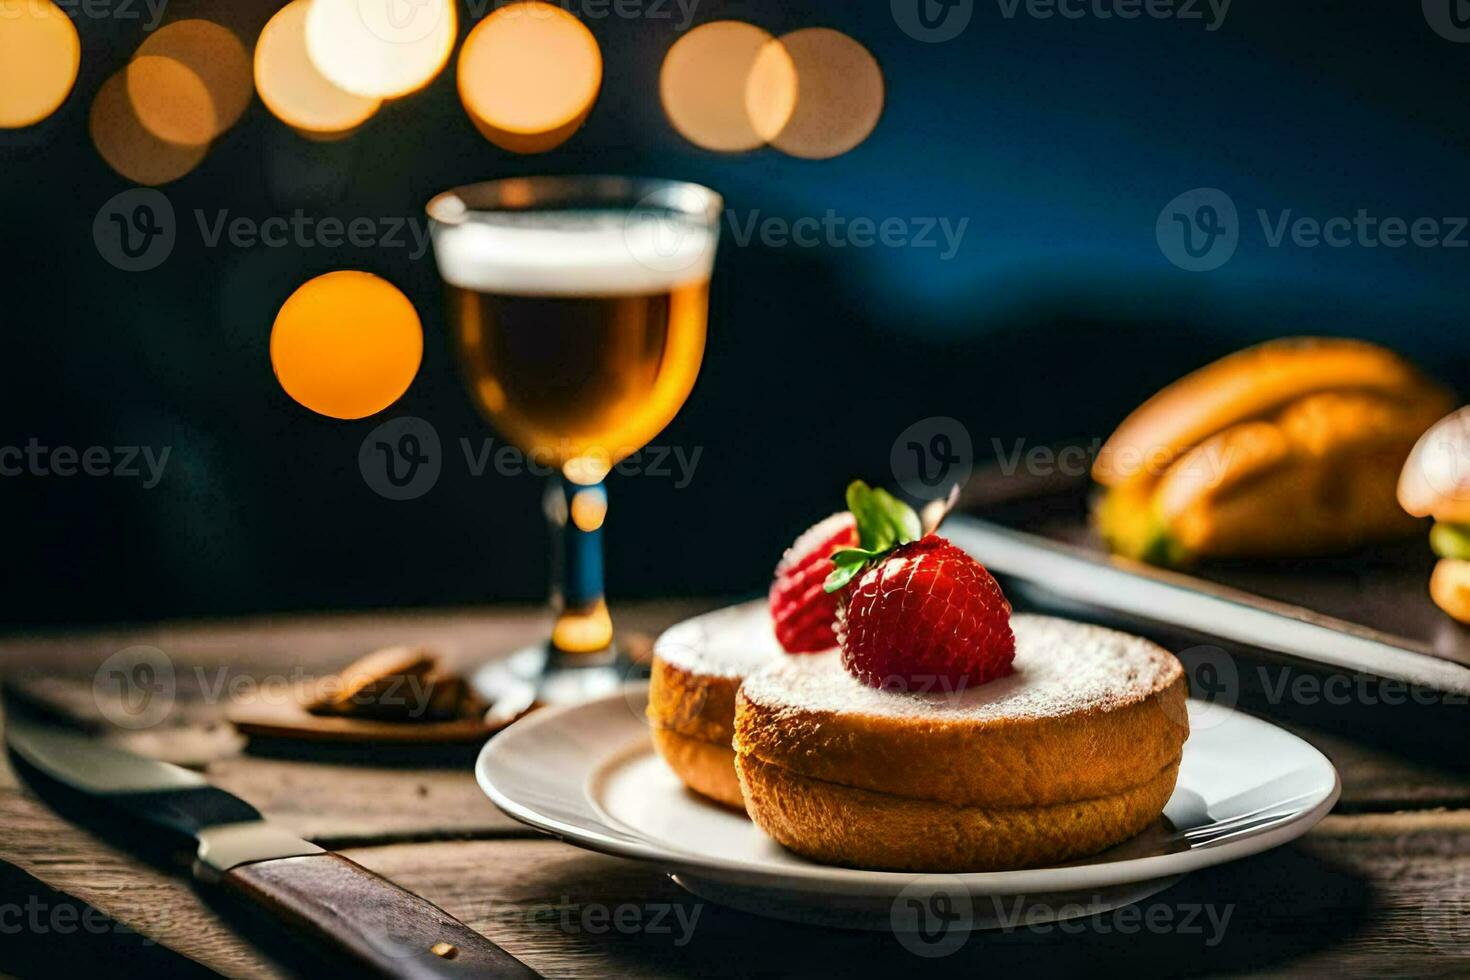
[1060, 140]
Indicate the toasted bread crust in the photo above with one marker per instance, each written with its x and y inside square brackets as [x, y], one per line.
[1005, 762]
[694, 704]
[843, 825]
[707, 768]
[697, 666]
[1302, 509]
[1318, 477]
[1246, 385]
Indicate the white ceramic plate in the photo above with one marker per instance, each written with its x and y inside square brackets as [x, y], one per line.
[588, 774]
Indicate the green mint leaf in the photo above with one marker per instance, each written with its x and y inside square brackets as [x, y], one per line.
[848, 556]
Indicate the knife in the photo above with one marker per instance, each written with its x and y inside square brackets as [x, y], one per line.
[383, 927]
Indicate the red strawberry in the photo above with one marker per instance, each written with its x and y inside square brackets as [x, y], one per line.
[926, 616]
[802, 611]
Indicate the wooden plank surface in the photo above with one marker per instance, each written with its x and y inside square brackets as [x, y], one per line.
[463, 637]
[366, 804]
[209, 658]
[1382, 888]
[1370, 895]
[137, 895]
[334, 796]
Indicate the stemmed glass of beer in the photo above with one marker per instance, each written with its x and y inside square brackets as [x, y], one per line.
[578, 308]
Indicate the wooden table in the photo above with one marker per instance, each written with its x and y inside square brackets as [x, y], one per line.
[1380, 888]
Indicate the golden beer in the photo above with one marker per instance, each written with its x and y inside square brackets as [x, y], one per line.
[581, 377]
[580, 332]
[578, 309]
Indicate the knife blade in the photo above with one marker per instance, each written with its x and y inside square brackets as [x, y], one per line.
[383, 927]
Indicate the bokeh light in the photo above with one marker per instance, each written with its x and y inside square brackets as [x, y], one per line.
[839, 95]
[219, 64]
[126, 144]
[725, 84]
[528, 76]
[39, 57]
[346, 344]
[380, 48]
[170, 101]
[293, 89]
[339, 136]
[771, 90]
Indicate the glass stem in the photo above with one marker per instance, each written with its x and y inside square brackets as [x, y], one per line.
[575, 514]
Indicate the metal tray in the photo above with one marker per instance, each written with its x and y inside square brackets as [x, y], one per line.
[1363, 614]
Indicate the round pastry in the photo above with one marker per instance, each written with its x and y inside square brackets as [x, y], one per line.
[697, 667]
[699, 664]
[1074, 750]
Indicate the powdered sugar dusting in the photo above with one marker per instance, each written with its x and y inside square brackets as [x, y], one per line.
[1061, 667]
[731, 642]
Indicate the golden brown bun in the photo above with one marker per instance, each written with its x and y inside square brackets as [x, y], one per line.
[1449, 586]
[1064, 756]
[1299, 510]
[1318, 477]
[1248, 384]
[705, 767]
[839, 824]
[1291, 448]
[1436, 478]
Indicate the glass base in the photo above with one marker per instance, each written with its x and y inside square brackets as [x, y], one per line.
[586, 632]
[541, 675]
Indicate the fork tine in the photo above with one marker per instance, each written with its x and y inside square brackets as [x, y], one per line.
[1239, 818]
[1205, 840]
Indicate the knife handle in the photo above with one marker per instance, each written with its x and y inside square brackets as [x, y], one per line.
[391, 931]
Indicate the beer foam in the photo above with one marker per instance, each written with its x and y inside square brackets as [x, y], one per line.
[574, 253]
